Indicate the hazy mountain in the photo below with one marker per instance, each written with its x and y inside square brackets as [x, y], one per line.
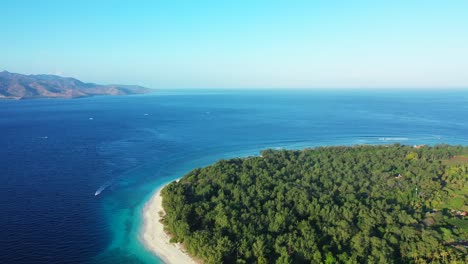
[20, 86]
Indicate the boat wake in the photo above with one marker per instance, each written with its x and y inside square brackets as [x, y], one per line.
[102, 188]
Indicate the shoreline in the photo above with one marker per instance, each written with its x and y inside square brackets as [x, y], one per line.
[153, 236]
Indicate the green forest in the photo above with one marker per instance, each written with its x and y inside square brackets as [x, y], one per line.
[359, 204]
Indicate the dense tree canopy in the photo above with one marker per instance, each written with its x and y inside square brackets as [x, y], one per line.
[361, 204]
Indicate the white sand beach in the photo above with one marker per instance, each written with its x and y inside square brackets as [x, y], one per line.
[154, 237]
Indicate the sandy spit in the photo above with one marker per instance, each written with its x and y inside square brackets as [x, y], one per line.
[155, 239]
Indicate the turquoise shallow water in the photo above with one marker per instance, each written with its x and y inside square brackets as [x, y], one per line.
[57, 153]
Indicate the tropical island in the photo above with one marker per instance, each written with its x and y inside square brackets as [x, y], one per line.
[360, 204]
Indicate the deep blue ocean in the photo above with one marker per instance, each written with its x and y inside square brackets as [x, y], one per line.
[55, 154]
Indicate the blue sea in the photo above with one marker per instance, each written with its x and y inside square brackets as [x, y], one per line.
[56, 154]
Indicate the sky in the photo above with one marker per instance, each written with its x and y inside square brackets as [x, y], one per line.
[240, 44]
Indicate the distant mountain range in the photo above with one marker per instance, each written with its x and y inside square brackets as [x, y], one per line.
[20, 86]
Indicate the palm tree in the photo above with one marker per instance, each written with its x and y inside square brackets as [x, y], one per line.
[444, 255]
[436, 256]
[421, 261]
[258, 250]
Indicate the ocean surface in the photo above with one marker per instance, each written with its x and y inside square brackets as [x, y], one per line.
[56, 155]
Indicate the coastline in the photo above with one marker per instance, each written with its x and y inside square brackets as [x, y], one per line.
[154, 237]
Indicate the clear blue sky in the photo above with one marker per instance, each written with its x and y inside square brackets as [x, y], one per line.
[240, 44]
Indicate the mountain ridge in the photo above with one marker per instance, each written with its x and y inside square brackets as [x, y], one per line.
[20, 86]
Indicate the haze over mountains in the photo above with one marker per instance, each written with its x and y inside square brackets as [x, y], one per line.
[20, 86]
